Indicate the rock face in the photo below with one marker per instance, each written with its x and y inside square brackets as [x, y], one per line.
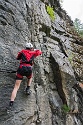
[55, 71]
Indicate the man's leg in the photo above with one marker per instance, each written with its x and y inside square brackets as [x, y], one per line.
[28, 86]
[14, 92]
[29, 82]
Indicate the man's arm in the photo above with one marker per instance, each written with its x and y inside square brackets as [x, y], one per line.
[19, 56]
[37, 52]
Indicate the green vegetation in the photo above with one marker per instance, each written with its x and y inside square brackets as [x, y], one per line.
[78, 27]
[70, 57]
[50, 11]
[61, 1]
[65, 108]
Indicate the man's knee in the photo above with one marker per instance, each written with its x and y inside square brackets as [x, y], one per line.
[17, 84]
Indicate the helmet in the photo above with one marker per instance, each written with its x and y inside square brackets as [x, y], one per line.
[29, 45]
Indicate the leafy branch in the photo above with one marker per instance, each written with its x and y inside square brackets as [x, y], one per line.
[50, 11]
[78, 27]
[65, 108]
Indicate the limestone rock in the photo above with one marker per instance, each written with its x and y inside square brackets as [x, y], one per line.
[55, 71]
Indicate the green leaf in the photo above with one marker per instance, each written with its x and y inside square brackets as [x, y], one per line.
[65, 108]
[50, 11]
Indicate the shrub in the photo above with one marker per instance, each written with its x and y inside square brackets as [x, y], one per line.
[65, 108]
[50, 11]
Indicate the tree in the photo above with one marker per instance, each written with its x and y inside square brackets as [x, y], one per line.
[78, 26]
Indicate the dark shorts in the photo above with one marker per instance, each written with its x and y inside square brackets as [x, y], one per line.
[24, 71]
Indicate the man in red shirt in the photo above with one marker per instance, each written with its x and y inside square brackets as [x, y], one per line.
[26, 57]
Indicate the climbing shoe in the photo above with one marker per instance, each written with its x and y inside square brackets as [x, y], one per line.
[11, 103]
[10, 106]
[28, 91]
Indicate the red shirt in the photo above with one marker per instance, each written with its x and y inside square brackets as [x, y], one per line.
[26, 55]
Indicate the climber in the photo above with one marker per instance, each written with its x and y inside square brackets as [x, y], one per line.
[26, 57]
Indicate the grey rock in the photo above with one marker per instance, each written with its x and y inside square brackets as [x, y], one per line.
[55, 71]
